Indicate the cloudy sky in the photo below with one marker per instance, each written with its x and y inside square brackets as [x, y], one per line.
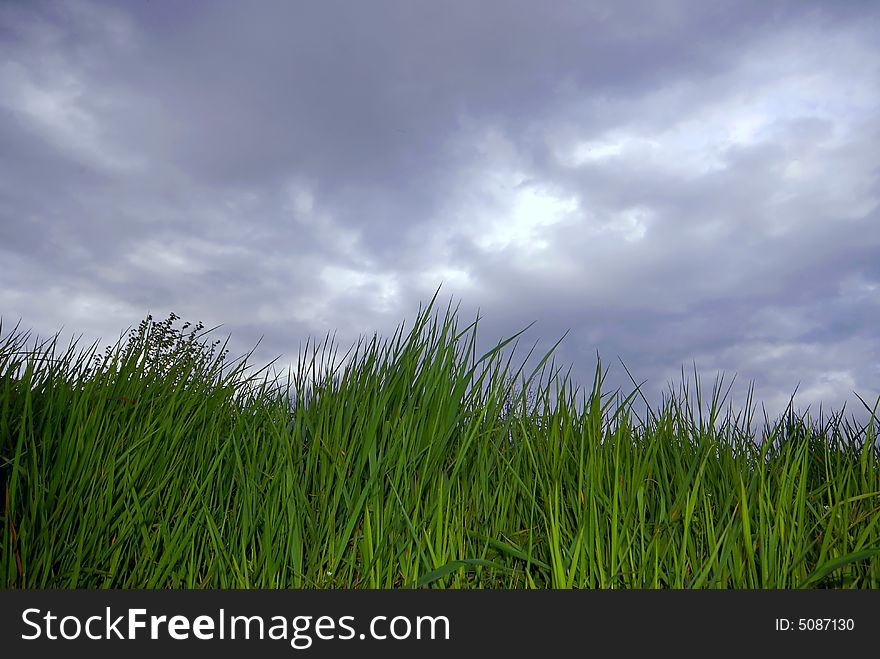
[673, 183]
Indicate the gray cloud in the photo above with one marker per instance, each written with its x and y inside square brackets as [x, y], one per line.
[672, 182]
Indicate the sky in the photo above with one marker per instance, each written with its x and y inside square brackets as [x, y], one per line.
[670, 185]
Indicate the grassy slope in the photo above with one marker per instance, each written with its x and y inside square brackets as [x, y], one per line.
[159, 464]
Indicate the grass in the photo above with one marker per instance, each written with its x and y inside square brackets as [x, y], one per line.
[412, 463]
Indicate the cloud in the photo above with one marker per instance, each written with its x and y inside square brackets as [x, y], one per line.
[670, 182]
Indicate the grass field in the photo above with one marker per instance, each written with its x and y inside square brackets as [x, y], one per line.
[160, 463]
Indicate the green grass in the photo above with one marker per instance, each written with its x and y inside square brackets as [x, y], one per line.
[417, 463]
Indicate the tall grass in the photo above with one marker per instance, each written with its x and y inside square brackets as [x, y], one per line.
[413, 462]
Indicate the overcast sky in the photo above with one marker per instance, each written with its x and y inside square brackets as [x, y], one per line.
[672, 182]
